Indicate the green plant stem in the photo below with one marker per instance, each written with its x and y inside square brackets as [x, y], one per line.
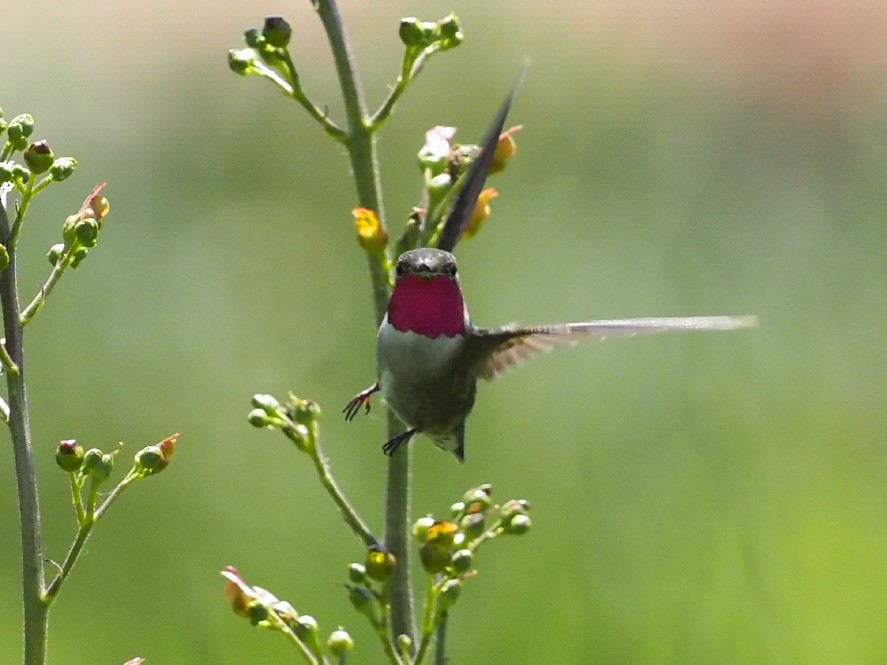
[36, 610]
[361, 147]
[46, 288]
[348, 513]
[86, 520]
[440, 641]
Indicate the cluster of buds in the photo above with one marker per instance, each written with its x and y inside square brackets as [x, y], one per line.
[427, 36]
[371, 235]
[97, 465]
[266, 47]
[80, 232]
[447, 547]
[297, 418]
[265, 610]
[37, 155]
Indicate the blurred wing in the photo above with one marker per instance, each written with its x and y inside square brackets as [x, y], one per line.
[466, 200]
[502, 348]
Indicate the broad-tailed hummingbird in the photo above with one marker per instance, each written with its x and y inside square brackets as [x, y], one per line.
[430, 355]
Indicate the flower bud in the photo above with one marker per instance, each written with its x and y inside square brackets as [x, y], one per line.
[457, 509]
[404, 643]
[371, 234]
[256, 612]
[357, 573]
[242, 61]
[55, 253]
[20, 127]
[97, 464]
[306, 629]
[519, 524]
[69, 456]
[38, 156]
[4, 257]
[450, 32]
[473, 524]
[462, 560]
[449, 594]
[62, 168]
[87, 231]
[362, 600]
[340, 642]
[478, 498]
[379, 563]
[267, 403]
[253, 38]
[435, 557]
[481, 211]
[7, 172]
[277, 32]
[421, 526]
[79, 254]
[411, 32]
[505, 149]
[258, 418]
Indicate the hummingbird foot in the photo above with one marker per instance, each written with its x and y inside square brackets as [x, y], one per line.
[396, 442]
[360, 399]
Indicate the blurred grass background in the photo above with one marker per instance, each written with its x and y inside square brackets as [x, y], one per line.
[696, 499]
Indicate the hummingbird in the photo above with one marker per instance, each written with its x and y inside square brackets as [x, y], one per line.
[429, 353]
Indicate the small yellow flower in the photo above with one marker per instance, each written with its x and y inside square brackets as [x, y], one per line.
[370, 234]
[481, 211]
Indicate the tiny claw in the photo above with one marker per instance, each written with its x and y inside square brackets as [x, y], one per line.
[396, 442]
[360, 399]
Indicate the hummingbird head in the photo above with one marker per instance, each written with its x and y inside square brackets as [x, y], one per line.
[427, 298]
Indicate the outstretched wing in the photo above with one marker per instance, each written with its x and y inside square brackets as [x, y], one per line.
[499, 349]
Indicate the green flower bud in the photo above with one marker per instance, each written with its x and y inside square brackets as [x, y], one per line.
[478, 499]
[7, 172]
[449, 594]
[420, 528]
[518, 525]
[513, 507]
[38, 156]
[462, 560]
[305, 411]
[379, 563]
[457, 509]
[473, 525]
[440, 184]
[253, 38]
[340, 642]
[87, 231]
[268, 403]
[411, 32]
[150, 460]
[21, 126]
[55, 253]
[404, 644]
[242, 61]
[79, 254]
[306, 629]
[450, 32]
[258, 418]
[357, 573]
[362, 600]
[21, 173]
[62, 168]
[69, 456]
[99, 465]
[256, 612]
[277, 32]
[435, 557]
[4, 257]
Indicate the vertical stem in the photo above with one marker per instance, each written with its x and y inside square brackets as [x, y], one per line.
[361, 146]
[35, 607]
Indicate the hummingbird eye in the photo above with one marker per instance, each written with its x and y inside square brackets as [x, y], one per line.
[452, 270]
[399, 269]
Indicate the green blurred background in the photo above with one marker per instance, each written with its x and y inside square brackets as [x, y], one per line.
[710, 498]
